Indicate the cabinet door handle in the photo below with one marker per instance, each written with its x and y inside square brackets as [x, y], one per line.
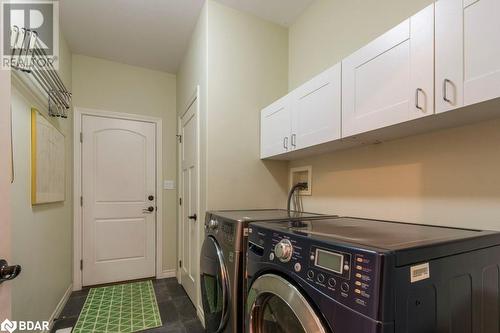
[294, 140]
[285, 142]
[417, 104]
[445, 97]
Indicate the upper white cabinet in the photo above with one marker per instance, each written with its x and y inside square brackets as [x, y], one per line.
[390, 80]
[467, 52]
[316, 110]
[308, 116]
[275, 126]
[445, 57]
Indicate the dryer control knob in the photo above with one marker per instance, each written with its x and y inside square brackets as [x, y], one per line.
[284, 250]
[213, 224]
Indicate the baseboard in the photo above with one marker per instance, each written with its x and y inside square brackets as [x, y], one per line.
[60, 306]
[199, 312]
[169, 273]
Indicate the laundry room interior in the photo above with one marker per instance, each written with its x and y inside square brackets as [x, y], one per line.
[228, 166]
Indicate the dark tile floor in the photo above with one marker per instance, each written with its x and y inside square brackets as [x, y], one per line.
[178, 314]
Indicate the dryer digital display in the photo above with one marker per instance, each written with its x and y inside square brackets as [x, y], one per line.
[329, 260]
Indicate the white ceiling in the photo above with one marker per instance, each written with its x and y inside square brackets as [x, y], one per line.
[151, 33]
[146, 33]
[283, 12]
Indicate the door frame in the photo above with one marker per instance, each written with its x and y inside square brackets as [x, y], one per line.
[195, 98]
[77, 186]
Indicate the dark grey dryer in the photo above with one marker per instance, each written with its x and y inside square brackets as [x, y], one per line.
[348, 275]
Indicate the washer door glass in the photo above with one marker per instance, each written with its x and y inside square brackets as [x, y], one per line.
[214, 286]
[276, 305]
[277, 317]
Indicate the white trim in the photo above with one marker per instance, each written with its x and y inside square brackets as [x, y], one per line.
[168, 273]
[179, 207]
[159, 197]
[201, 315]
[59, 307]
[195, 97]
[77, 189]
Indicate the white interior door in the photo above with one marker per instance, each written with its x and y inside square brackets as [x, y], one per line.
[189, 223]
[118, 187]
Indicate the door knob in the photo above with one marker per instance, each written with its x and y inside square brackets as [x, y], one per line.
[8, 272]
[150, 209]
[193, 217]
[151, 197]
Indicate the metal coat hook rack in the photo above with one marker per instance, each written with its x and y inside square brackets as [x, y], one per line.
[29, 56]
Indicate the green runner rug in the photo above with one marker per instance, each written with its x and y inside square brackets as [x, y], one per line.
[122, 308]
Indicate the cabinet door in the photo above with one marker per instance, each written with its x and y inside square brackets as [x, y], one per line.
[467, 52]
[317, 110]
[449, 55]
[391, 80]
[275, 123]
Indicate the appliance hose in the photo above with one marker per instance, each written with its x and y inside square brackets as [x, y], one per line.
[298, 186]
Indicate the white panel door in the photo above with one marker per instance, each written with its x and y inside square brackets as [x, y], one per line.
[467, 52]
[275, 127]
[391, 80]
[189, 193]
[316, 109]
[119, 209]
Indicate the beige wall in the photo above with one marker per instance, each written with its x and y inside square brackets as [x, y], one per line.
[110, 86]
[41, 235]
[247, 70]
[448, 177]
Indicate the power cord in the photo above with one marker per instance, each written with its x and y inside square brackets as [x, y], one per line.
[298, 205]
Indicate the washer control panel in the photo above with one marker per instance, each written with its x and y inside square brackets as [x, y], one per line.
[348, 275]
[223, 230]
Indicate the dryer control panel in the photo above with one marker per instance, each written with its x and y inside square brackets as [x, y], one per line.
[348, 275]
